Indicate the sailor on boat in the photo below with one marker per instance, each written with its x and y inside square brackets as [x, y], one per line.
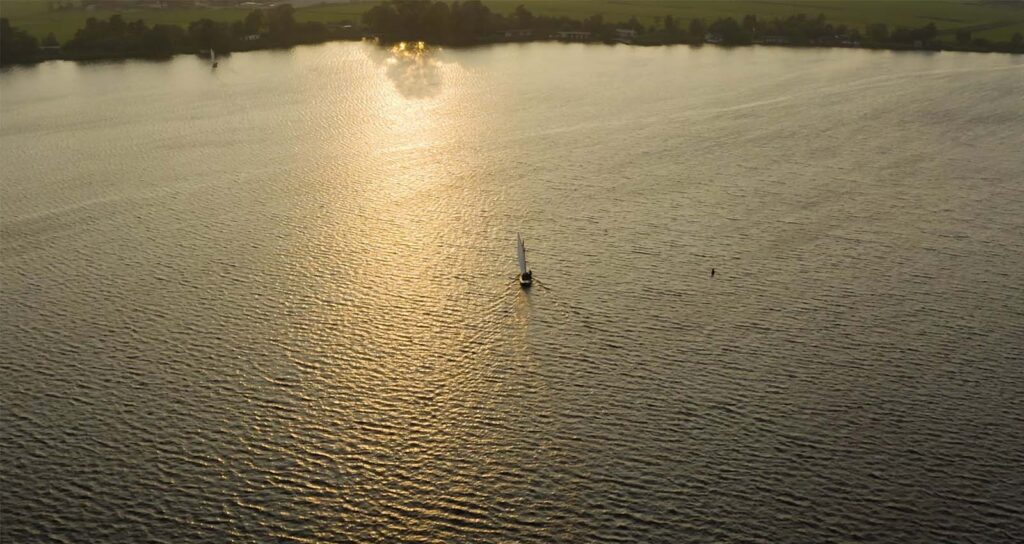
[525, 275]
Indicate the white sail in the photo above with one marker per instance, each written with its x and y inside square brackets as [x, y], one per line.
[213, 57]
[521, 253]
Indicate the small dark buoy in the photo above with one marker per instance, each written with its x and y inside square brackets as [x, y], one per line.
[712, 272]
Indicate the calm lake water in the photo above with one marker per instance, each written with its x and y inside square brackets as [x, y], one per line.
[275, 301]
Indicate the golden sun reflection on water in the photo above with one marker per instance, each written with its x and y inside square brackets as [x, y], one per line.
[409, 48]
[420, 204]
[416, 70]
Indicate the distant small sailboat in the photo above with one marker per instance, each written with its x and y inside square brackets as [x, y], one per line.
[213, 58]
[525, 276]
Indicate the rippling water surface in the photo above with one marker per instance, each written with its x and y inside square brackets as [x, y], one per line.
[275, 301]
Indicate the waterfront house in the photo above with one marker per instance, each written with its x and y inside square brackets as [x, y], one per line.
[518, 34]
[571, 35]
[625, 35]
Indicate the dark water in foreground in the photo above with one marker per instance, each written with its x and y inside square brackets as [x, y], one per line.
[274, 302]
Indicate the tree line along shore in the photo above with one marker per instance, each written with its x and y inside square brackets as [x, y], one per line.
[466, 23]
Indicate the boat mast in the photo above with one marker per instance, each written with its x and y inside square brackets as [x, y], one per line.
[521, 253]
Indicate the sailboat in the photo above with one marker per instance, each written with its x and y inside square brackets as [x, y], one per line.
[213, 58]
[525, 276]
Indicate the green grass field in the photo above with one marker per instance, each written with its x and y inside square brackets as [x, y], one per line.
[994, 21]
[948, 15]
[34, 17]
[334, 13]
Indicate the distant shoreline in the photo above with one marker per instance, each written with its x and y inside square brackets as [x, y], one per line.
[466, 24]
[88, 57]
